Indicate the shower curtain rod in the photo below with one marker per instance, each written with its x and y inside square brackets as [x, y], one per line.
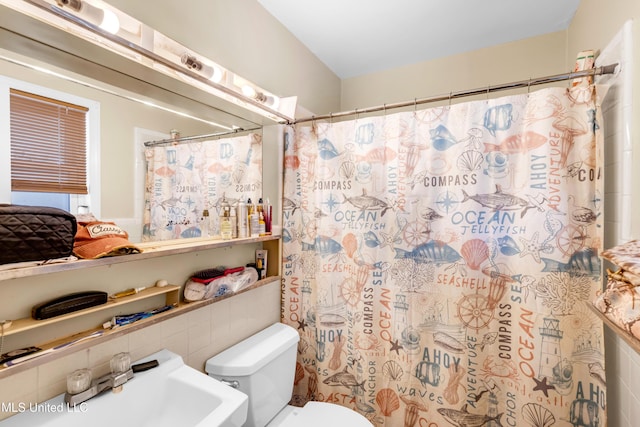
[605, 69]
[183, 139]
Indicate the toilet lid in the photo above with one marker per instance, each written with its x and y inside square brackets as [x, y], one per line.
[320, 414]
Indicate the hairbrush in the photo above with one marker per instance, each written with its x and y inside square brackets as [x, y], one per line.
[207, 275]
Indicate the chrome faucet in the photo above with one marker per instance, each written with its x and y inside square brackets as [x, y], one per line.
[110, 381]
[81, 388]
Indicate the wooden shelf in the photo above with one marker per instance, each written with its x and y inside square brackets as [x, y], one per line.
[633, 342]
[109, 334]
[150, 250]
[172, 297]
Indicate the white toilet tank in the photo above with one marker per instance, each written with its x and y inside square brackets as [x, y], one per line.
[264, 367]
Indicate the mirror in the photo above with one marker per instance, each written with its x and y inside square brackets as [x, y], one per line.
[124, 90]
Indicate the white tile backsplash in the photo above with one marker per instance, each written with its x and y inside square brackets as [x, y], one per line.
[196, 336]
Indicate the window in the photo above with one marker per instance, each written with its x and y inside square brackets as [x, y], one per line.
[49, 144]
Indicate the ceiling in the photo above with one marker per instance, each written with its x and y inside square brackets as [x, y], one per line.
[357, 37]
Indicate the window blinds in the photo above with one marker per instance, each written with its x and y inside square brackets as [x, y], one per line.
[48, 145]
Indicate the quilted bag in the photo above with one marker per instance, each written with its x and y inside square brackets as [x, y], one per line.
[35, 233]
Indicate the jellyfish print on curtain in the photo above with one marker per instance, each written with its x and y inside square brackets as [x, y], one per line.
[439, 264]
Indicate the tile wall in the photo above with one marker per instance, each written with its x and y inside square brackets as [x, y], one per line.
[622, 362]
[196, 336]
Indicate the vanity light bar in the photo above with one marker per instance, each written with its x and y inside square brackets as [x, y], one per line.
[108, 27]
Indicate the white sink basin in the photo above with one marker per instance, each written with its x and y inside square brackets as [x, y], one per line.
[172, 394]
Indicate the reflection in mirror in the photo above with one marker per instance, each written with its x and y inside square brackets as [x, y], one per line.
[131, 110]
[194, 188]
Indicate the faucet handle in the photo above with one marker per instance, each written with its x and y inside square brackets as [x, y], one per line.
[78, 381]
[120, 362]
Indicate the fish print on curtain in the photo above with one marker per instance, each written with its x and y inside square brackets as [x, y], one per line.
[439, 264]
[182, 180]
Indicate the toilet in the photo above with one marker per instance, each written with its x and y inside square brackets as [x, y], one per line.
[263, 367]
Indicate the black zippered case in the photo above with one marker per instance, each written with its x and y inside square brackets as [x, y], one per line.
[35, 233]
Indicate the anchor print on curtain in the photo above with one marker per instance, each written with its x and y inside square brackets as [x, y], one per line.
[438, 264]
[185, 179]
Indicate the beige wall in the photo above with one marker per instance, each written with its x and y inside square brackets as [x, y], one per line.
[535, 57]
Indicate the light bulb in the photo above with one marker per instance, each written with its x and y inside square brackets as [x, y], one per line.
[212, 73]
[105, 19]
[110, 22]
[216, 76]
[250, 92]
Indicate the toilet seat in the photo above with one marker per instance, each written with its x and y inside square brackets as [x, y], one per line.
[320, 414]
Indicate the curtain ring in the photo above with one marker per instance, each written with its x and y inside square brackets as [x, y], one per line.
[529, 86]
[488, 90]
[450, 96]
[415, 105]
[355, 111]
[331, 119]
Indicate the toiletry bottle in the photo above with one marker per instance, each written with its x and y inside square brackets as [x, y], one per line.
[254, 225]
[267, 209]
[225, 228]
[225, 220]
[243, 220]
[204, 224]
[254, 221]
[234, 223]
[260, 206]
[261, 228]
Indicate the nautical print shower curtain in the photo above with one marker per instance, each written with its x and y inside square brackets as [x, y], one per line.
[439, 264]
[185, 179]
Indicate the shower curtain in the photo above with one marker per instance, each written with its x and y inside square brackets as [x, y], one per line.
[439, 264]
[183, 180]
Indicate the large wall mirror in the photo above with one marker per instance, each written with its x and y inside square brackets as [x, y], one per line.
[136, 104]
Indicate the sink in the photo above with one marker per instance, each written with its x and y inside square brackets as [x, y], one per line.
[173, 394]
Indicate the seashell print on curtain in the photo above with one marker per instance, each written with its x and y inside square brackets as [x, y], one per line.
[183, 180]
[438, 264]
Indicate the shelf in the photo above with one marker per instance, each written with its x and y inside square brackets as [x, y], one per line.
[150, 250]
[633, 342]
[172, 296]
[109, 334]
